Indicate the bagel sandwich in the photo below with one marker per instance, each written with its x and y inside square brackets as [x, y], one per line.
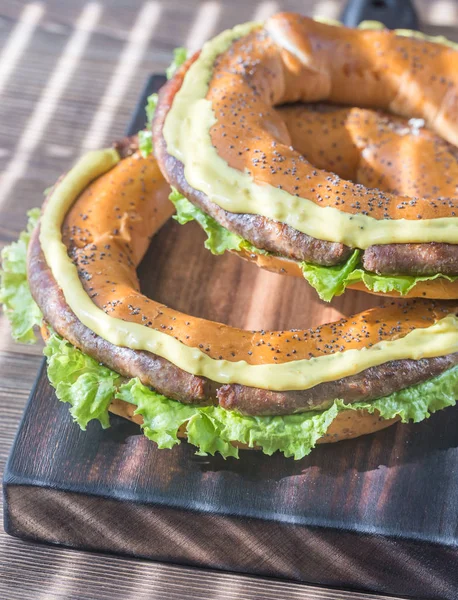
[320, 151]
[72, 273]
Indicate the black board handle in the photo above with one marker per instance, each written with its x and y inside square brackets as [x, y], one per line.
[394, 14]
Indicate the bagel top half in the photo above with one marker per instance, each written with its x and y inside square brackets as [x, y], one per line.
[237, 131]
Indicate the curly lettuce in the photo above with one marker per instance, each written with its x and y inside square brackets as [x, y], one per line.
[145, 136]
[179, 57]
[219, 239]
[89, 387]
[19, 306]
[332, 281]
[78, 379]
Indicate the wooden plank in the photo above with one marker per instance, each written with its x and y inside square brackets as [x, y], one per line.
[30, 570]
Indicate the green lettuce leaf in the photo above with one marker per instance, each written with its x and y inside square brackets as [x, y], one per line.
[81, 381]
[150, 108]
[212, 428]
[332, 281]
[417, 402]
[145, 142]
[89, 388]
[219, 239]
[179, 57]
[162, 420]
[145, 136]
[19, 306]
[392, 283]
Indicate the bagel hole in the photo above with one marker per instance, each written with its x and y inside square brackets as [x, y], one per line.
[310, 127]
[181, 273]
[369, 147]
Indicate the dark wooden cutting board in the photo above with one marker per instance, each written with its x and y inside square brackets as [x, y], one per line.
[379, 513]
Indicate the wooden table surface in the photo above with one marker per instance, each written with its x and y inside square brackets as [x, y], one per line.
[70, 73]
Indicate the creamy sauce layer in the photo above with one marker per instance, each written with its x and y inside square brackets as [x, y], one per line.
[188, 126]
[436, 340]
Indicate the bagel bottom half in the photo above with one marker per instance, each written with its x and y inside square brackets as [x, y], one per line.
[347, 425]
